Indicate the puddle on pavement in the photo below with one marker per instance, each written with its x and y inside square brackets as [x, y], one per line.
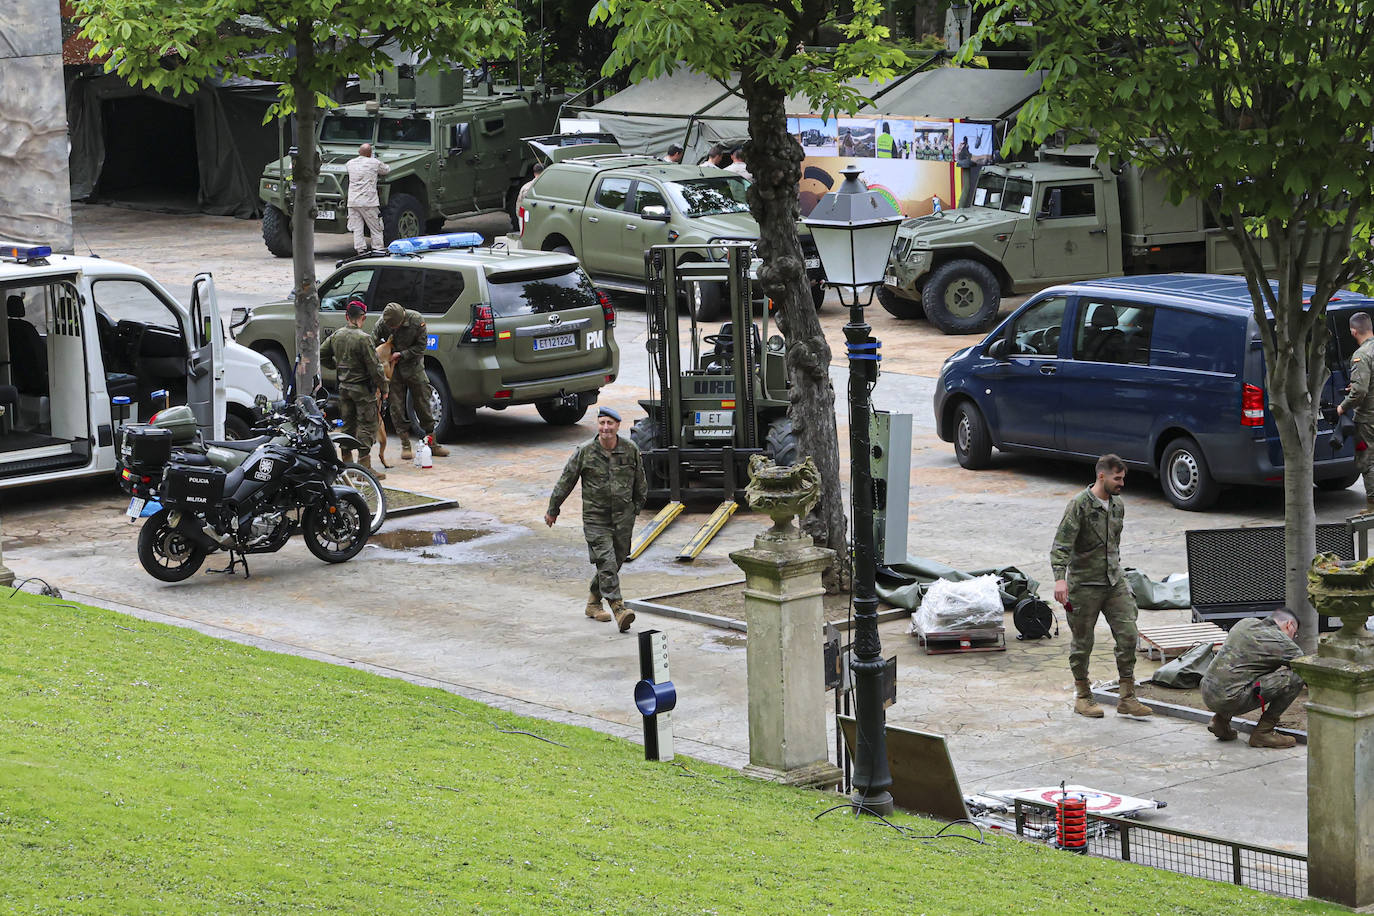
[724, 642]
[418, 538]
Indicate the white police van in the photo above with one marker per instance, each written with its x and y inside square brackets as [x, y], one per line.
[88, 343]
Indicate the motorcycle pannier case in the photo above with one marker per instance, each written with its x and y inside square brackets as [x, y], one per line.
[180, 420]
[192, 485]
[144, 448]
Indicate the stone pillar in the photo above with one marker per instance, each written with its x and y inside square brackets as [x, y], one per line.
[785, 616]
[35, 197]
[1340, 737]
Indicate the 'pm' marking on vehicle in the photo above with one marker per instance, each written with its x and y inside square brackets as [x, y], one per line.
[596, 340]
[431, 341]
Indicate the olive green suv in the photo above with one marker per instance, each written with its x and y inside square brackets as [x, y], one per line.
[505, 327]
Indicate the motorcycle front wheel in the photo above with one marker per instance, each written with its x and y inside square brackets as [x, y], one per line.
[336, 536]
[366, 483]
[166, 553]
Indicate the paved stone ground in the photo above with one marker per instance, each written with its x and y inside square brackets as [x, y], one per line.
[499, 617]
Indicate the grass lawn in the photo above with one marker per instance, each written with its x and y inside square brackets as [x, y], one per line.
[149, 769]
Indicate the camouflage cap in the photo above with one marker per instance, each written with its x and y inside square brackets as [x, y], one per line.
[393, 314]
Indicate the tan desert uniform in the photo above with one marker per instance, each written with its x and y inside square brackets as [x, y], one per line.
[408, 339]
[1250, 670]
[364, 208]
[351, 353]
[613, 491]
[1087, 553]
[1361, 398]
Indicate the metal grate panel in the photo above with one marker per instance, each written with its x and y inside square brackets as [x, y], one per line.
[1244, 567]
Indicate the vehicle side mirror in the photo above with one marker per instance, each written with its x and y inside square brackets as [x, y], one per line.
[655, 212]
[998, 349]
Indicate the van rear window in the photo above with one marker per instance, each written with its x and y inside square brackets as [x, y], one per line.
[537, 292]
[1188, 340]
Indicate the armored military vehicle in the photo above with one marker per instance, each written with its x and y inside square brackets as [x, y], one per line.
[1030, 225]
[449, 154]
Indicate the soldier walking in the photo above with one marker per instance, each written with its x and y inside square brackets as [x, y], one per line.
[1251, 672]
[1086, 559]
[1360, 397]
[408, 333]
[613, 491]
[351, 353]
[364, 207]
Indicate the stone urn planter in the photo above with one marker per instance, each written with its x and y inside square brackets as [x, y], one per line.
[1344, 589]
[783, 493]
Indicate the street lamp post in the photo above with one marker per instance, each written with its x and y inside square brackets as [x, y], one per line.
[854, 229]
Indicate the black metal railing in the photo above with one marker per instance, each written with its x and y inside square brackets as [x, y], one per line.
[1263, 868]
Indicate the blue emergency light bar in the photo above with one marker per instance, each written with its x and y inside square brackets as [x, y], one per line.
[435, 242]
[28, 253]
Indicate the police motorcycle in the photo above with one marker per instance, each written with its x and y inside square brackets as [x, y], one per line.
[278, 488]
[270, 423]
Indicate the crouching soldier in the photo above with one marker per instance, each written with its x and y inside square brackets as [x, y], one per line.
[1251, 672]
[349, 351]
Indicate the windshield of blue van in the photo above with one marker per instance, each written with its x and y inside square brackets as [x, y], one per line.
[999, 192]
[709, 196]
[346, 129]
[404, 131]
[537, 292]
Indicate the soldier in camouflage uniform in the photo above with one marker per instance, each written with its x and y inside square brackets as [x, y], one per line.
[1251, 671]
[407, 332]
[350, 352]
[1086, 559]
[613, 491]
[1360, 397]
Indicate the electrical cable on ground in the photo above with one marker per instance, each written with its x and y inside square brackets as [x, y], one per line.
[940, 834]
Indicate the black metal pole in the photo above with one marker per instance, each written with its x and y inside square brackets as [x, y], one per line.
[871, 774]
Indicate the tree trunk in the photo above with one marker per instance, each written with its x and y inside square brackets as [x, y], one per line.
[774, 158]
[305, 174]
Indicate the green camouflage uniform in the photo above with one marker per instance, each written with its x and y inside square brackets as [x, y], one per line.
[1087, 553]
[1249, 670]
[613, 491]
[351, 353]
[409, 340]
[1361, 398]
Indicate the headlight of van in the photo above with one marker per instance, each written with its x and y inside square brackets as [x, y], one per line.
[273, 376]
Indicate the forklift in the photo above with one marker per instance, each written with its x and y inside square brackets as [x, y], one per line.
[722, 390]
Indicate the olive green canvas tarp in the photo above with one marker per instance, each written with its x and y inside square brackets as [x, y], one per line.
[905, 584]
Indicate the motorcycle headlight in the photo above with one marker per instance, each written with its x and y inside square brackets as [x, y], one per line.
[273, 376]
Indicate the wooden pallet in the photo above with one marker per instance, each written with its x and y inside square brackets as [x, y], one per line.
[1165, 642]
[944, 642]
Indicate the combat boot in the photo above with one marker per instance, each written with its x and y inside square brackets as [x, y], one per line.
[1221, 727]
[407, 453]
[1265, 736]
[346, 455]
[366, 461]
[1369, 505]
[595, 611]
[1083, 702]
[1128, 705]
[437, 450]
[623, 615]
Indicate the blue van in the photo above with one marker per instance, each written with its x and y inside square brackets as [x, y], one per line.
[1166, 371]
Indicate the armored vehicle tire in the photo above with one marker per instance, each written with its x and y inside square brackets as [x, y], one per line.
[972, 444]
[1185, 478]
[165, 553]
[366, 483]
[561, 413]
[440, 406]
[781, 443]
[706, 299]
[337, 537]
[276, 231]
[898, 307]
[962, 297]
[403, 217]
[1336, 484]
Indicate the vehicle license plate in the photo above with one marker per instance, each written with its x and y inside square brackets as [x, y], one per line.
[890, 280]
[135, 507]
[812, 263]
[715, 418]
[711, 433]
[554, 342]
[325, 214]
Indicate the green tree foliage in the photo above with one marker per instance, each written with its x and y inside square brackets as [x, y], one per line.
[758, 48]
[1261, 108]
[308, 46]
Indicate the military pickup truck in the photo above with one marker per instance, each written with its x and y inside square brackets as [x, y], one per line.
[448, 155]
[1029, 225]
[607, 208]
